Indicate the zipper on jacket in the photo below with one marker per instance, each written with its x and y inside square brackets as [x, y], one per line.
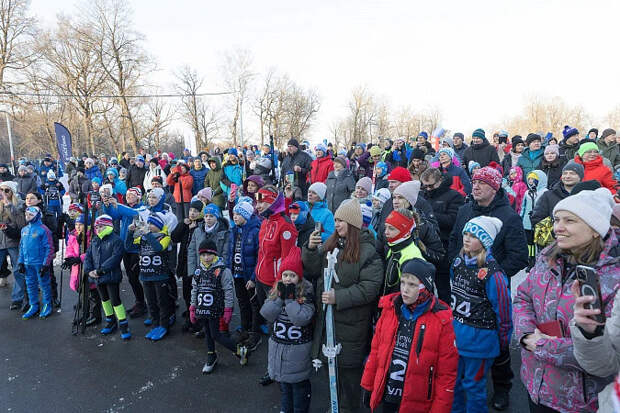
[429, 393]
[418, 347]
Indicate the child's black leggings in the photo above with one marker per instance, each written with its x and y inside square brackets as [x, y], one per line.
[212, 334]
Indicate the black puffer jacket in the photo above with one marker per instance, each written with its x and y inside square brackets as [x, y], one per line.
[553, 170]
[510, 247]
[483, 153]
[445, 203]
[547, 201]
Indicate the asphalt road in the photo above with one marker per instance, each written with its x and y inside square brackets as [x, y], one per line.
[46, 369]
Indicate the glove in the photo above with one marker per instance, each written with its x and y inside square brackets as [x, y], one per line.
[289, 291]
[366, 398]
[281, 290]
[100, 272]
[21, 268]
[44, 269]
[192, 314]
[227, 315]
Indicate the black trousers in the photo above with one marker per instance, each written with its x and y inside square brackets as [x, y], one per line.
[131, 261]
[501, 372]
[158, 302]
[262, 291]
[211, 328]
[110, 292]
[248, 307]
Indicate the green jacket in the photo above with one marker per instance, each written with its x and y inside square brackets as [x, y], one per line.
[611, 152]
[213, 179]
[356, 300]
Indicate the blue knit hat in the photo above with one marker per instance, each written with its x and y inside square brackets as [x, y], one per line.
[140, 158]
[244, 209]
[81, 219]
[233, 151]
[568, 132]
[366, 208]
[213, 209]
[423, 134]
[321, 147]
[34, 211]
[301, 208]
[97, 180]
[479, 133]
[155, 219]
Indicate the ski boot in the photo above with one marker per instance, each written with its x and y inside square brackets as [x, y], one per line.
[46, 310]
[148, 322]
[110, 326]
[243, 353]
[32, 311]
[210, 364]
[149, 335]
[159, 333]
[125, 333]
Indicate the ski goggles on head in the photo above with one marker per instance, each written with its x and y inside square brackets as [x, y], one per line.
[266, 196]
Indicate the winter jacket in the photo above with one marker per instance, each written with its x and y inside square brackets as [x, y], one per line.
[596, 170]
[75, 187]
[509, 247]
[483, 153]
[219, 235]
[7, 176]
[233, 174]
[226, 282]
[399, 157]
[72, 251]
[199, 176]
[93, 172]
[529, 161]
[509, 161]
[553, 170]
[301, 159]
[321, 167]
[458, 176]
[213, 179]
[568, 151]
[546, 202]
[320, 213]
[249, 248]
[148, 176]
[119, 186]
[26, 183]
[135, 177]
[15, 221]
[105, 255]
[600, 355]
[518, 186]
[276, 237]
[433, 360]
[339, 188]
[290, 362]
[176, 181]
[126, 214]
[356, 294]
[531, 197]
[445, 203]
[611, 152]
[552, 375]
[182, 235]
[363, 167]
[460, 152]
[36, 245]
[153, 254]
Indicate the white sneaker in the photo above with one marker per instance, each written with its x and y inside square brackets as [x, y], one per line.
[4, 283]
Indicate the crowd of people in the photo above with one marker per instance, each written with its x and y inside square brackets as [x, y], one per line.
[427, 232]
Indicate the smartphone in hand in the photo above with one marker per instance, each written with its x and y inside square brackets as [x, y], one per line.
[589, 285]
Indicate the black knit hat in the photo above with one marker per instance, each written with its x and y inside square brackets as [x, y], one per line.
[417, 153]
[423, 270]
[293, 142]
[532, 137]
[197, 205]
[517, 139]
[593, 130]
[207, 246]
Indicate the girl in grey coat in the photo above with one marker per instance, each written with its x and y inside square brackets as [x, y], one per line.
[290, 307]
[340, 184]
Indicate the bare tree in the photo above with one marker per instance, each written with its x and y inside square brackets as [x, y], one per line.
[17, 30]
[237, 73]
[189, 83]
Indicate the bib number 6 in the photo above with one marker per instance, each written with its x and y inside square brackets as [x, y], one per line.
[283, 333]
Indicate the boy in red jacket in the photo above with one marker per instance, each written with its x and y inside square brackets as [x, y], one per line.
[413, 359]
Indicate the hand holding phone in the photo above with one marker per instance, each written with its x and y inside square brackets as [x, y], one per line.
[589, 286]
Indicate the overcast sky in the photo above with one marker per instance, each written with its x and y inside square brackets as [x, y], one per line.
[476, 60]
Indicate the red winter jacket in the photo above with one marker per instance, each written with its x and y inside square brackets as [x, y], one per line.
[321, 167]
[188, 182]
[276, 238]
[433, 359]
[597, 170]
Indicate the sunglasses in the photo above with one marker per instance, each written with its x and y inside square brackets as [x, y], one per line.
[7, 190]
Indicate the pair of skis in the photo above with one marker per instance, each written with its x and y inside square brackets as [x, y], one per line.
[330, 348]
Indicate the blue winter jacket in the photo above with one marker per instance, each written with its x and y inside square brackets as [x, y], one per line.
[320, 213]
[105, 255]
[234, 173]
[454, 170]
[93, 172]
[157, 242]
[249, 248]
[120, 187]
[484, 343]
[126, 214]
[36, 246]
[43, 170]
[199, 176]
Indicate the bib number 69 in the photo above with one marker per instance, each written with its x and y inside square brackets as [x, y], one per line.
[205, 300]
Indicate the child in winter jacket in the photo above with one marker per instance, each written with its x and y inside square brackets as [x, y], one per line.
[413, 361]
[537, 185]
[53, 191]
[36, 253]
[290, 307]
[212, 298]
[241, 256]
[103, 264]
[381, 172]
[515, 180]
[154, 271]
[481, 307]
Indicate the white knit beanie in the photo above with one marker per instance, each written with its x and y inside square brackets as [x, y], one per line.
[382, 195]
[409, 191]
[593, 207]
[318, 188]
[484, 228]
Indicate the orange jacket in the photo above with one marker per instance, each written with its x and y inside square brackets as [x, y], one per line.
[186, 180]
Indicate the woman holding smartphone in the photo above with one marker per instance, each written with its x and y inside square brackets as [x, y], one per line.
[543, 306]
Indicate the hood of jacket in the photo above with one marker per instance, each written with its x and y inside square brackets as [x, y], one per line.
[218, 163]
[518, 174]
[542, 181]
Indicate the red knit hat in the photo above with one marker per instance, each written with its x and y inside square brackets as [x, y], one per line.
[399, 174]
[489, 176]
[292, 262]
[265, 195]
[403, 224]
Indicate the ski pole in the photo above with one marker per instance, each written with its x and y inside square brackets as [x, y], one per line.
[62, 243]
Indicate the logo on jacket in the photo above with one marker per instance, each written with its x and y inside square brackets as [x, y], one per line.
[482, 273]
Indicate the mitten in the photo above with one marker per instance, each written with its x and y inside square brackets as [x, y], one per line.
[192, 314]
[227, 315]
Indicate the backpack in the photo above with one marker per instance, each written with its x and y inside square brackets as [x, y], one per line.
[543, 232]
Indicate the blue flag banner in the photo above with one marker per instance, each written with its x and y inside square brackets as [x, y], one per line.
[63, 142]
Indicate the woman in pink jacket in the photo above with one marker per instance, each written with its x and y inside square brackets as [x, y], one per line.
[544, 304]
